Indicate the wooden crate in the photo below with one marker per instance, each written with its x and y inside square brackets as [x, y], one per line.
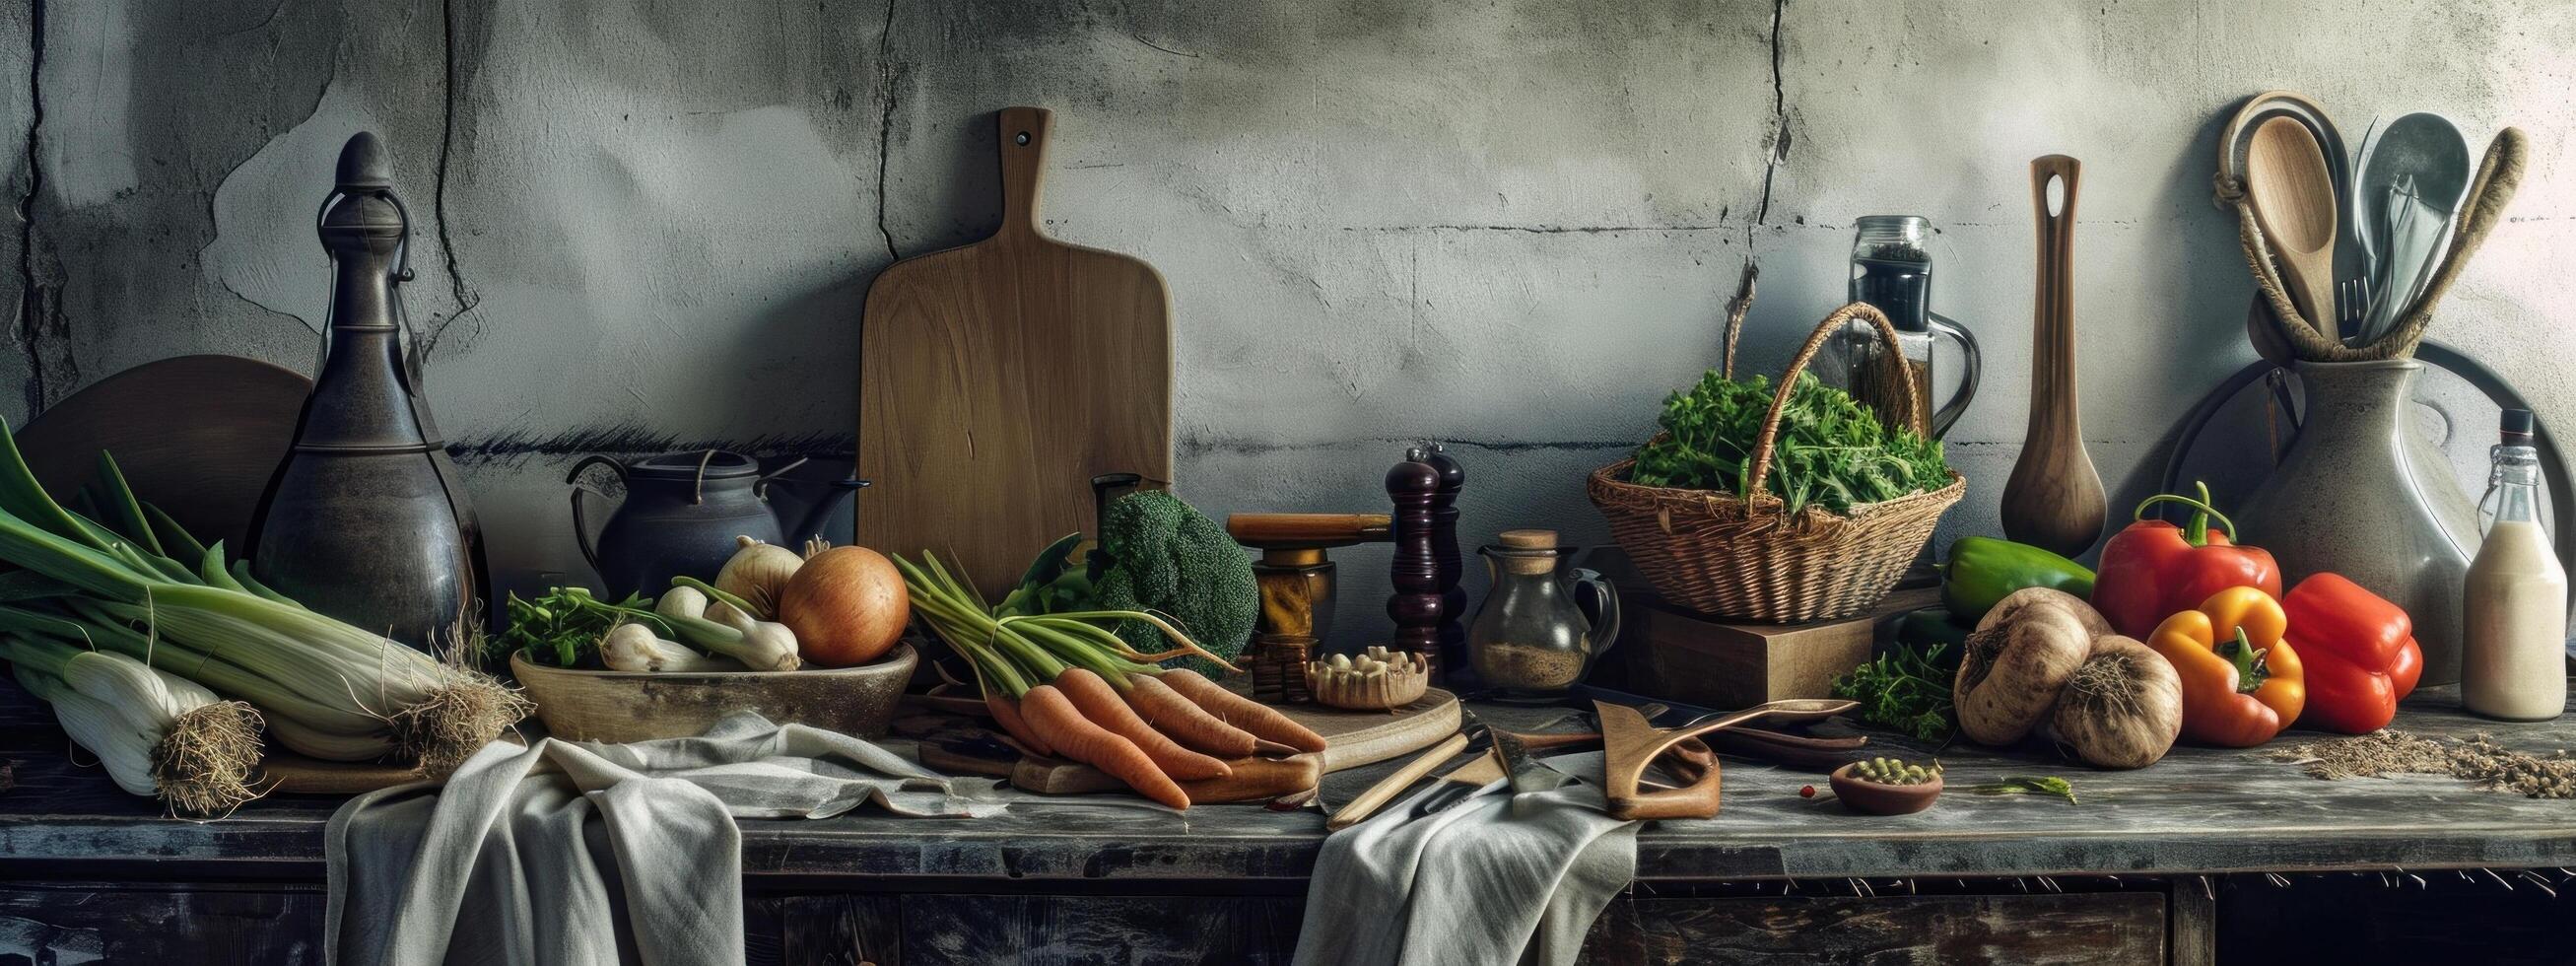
[1685, 656]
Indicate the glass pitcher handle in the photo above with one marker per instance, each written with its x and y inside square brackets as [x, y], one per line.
[1951, 411]
[1598, 599]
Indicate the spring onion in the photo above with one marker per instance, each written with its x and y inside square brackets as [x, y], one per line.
[156, 733]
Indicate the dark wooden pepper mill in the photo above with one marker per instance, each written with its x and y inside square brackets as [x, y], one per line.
[1416, 604]
[1452, 562]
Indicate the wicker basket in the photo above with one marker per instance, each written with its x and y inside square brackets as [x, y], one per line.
[1743, 559]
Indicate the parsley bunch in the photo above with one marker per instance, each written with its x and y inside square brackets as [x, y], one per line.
[1904, 689]
[1831, 451]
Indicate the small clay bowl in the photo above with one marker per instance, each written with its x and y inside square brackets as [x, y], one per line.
[1872, 798]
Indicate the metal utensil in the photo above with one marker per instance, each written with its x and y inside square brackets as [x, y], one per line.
[2294, 203]
[1471, 731]
[1528, 773]
[2428, 152]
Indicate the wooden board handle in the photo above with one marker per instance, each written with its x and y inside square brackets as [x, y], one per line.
[1387, 788]
[1022, 140]
[1266, 530]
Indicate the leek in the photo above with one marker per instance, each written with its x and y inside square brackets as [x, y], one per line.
[156, 733]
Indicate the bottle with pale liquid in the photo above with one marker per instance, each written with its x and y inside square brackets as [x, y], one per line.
[2515, 664]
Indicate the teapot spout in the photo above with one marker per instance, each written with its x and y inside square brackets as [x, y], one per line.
[818, 512]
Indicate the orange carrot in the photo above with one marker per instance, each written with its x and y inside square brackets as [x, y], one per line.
[1053, 716]
[1187, 723]
[1250, 715]
[1007, 714]
[1100, 703]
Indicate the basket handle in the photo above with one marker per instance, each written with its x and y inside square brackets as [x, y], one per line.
[1806, 353]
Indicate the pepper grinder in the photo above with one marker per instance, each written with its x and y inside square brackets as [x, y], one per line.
[1452, 562]
[1416, 604]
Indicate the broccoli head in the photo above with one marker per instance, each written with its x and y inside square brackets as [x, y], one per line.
[1162, 555]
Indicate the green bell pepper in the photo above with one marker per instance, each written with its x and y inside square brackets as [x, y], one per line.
[1981, 571]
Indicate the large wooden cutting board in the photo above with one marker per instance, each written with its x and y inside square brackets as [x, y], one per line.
[997, 379]
[198, 436]
[1351, 739]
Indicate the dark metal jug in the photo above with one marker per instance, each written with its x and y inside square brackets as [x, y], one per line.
[365, 519]
[682, 513]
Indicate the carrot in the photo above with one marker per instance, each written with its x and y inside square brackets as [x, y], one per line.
[1253, 716]
[1100, 703]
[1053, 717]
[1007, 714]
[1187, 723]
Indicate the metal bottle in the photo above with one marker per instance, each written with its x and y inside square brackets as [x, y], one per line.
[365, 519]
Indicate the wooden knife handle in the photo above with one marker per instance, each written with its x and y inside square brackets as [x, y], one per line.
[1387, 788]
[1309, 529]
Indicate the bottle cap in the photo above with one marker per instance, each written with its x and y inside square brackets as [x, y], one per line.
[2516, 425]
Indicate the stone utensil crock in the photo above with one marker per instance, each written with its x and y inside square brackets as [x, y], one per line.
[2363, 494]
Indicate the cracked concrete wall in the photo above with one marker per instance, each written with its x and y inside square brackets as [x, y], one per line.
[650, 225]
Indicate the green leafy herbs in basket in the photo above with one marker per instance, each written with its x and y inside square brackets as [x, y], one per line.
[1830, 452]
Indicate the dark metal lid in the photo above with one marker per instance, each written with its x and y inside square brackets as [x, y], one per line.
[2516, 426]
[718, 465]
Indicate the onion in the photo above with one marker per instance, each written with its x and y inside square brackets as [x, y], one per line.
[2122, 709]
[847, 606]
[2016, 664]
[757, 573]
[2094, 623]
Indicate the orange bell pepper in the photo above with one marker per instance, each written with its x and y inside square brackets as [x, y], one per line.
[2241, 683]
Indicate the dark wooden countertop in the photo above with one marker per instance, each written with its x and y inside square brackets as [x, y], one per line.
[2198, 811]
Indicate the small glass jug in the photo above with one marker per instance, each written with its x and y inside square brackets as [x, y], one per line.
[1892, 271]
[1538, 632]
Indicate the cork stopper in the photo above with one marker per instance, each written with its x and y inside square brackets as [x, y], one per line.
[1527, 551]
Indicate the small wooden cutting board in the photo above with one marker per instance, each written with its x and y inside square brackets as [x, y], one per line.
[996, 379]
[1351, 739]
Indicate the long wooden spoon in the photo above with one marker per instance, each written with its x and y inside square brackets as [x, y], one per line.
[2294, 203]
[2053, 499]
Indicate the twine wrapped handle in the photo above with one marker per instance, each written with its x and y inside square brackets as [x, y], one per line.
[1789, 383]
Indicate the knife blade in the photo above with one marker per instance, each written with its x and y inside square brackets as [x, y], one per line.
[1472, 736]
[1527, 774]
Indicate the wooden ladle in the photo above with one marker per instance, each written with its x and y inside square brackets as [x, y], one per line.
[2294, 204]
[2054, 498]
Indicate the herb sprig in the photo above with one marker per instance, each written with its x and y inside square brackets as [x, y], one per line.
[1831, 451]
[1904, 689]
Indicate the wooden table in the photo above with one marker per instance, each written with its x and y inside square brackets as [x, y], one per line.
[2152, 865]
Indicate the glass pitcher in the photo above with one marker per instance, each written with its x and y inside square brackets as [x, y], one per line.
[1892, 270]
[1538, 631]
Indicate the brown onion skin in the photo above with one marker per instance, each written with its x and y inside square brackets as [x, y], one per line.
[2014, 670]
[847, 605]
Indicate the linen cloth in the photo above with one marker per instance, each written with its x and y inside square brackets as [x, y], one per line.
[1498, 878]
[582, 854]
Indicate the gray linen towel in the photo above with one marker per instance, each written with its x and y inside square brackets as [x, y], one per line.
[581, 854]
[1498, 878]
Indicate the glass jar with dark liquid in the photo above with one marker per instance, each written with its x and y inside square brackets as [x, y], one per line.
[1892, 270]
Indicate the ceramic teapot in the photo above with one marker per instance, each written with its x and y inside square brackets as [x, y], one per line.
[681, 515]
[1539, 632]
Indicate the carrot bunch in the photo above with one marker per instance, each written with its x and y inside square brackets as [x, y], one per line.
[1065, 685]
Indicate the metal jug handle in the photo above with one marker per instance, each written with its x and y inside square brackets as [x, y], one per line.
[1951, 411]
[1598, 599]
[580, 520]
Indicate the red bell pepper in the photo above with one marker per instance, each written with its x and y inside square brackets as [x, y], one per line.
[2152, 570]
[2360, 650]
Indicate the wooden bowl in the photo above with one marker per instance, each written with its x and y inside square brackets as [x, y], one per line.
[623, 706]
[1872, 798]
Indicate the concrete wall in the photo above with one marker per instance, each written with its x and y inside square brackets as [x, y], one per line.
[1512, 225]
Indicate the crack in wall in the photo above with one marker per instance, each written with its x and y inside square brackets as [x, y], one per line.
[1779, 124]
[887, 76]
[465, 296]
[39, 301]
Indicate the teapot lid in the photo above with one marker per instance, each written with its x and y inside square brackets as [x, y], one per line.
[714, 464]
[1527, 539]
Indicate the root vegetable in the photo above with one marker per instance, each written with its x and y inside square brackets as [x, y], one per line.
[1187, 723]
[2016, 666]
[682, 601]
[634, 647]
[1262, 720]
[847, 606]
[2094, 623]
[760, 645]
[1054, 718]
[1006, 713]
[758, 573]
[1101, 703]
[2123, 707]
